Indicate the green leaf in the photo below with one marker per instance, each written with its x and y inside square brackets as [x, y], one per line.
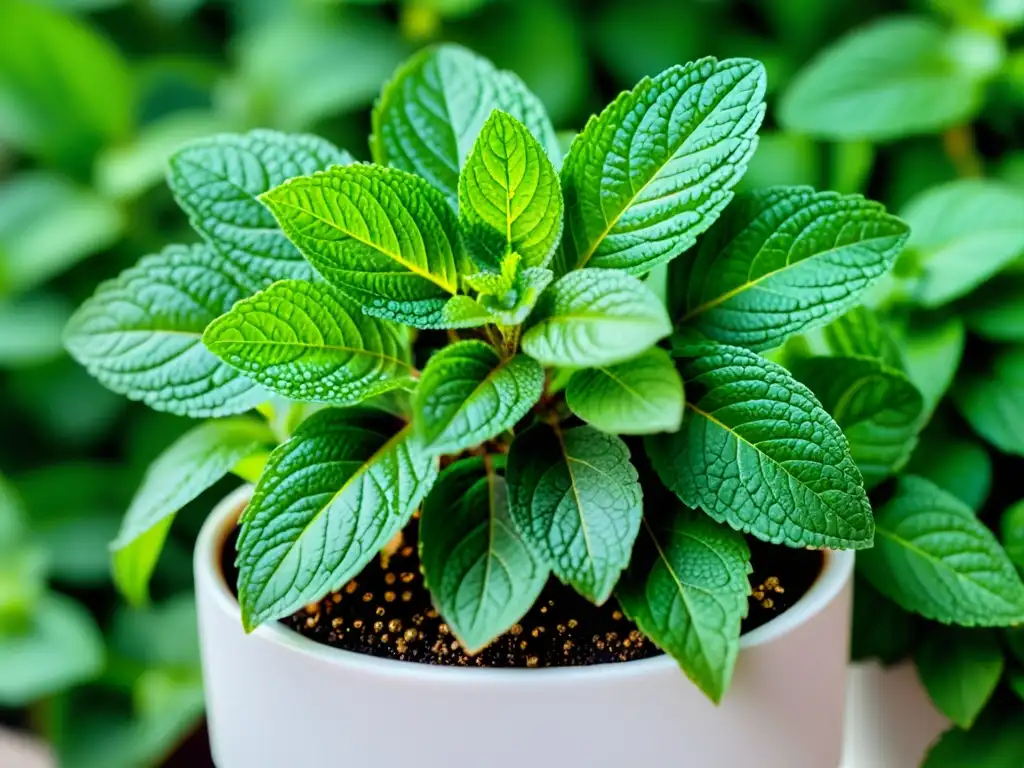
[508, 300]
[850, 164]
[995, 311]
[428, 117]
[497, 279]
[993, 742]
[292, 66]
[782, 158]
[992, 401]
[959, 466]
[637, 397]
[931, 349]
[62, 648]
[1014, 638]
[757, 451]
[686, 588]
[468, 395]
[218, 180]
[65, 91]
[24, 569]
[1016, 682]
[861, 333]
[982, 13]
[329, 499]
[1011, 526]
[890, 79]
[934, 557]
[781, 261]
[595, 317]
[631, 45]
[960, 669]
[163, 634]
[140, 335]
[40, 321]
[191, 465]
[657, 166]
[456, 312]
[482, 576]
[881, 629]
[47, 225]
[577, 503]
[76, 510]
[962, 234]
[128, 171]
[311, 343]
[876, 406]
[12, 516]
[383, 236]
[510, 199]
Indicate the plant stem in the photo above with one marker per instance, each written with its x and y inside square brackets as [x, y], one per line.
[962, 151]
[511, 336]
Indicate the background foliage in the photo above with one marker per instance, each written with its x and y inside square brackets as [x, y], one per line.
[917, 103]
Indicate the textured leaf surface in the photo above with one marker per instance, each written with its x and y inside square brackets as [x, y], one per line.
[140, 335]
[510, 199]
[454, 312]
[217, 181]
[328, 500]
[887, 80]
[758, 452]
[934, 557]
[960, 669]
[657, 166]
[876, 406]
[576, 501]
[637, 397]
[962, 233]
[309, 342]
[992, 401]
[481, 574]
[468, 395]
[509, 300]
[686, 588]
[595, 317]
[861, 333]
[430, 114]
[781, 261]
[192, 464]
[385, 237]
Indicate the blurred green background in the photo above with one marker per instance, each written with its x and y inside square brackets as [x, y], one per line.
[94, 95]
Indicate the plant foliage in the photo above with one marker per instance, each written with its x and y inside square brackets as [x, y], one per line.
[466, 327]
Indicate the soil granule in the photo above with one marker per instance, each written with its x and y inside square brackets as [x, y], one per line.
[386, 612]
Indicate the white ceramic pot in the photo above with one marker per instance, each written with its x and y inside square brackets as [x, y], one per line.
[890, 721]
[276, 699]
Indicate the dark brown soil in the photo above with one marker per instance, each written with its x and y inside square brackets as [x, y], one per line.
[387, 612]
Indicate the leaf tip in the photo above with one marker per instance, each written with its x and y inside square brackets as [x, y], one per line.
[250, 622]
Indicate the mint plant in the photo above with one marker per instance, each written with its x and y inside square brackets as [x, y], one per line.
[928, 382]
[468, 325]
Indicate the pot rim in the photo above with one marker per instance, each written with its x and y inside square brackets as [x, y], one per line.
[836, 572]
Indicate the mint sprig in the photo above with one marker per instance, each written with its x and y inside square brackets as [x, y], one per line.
[463, 329]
